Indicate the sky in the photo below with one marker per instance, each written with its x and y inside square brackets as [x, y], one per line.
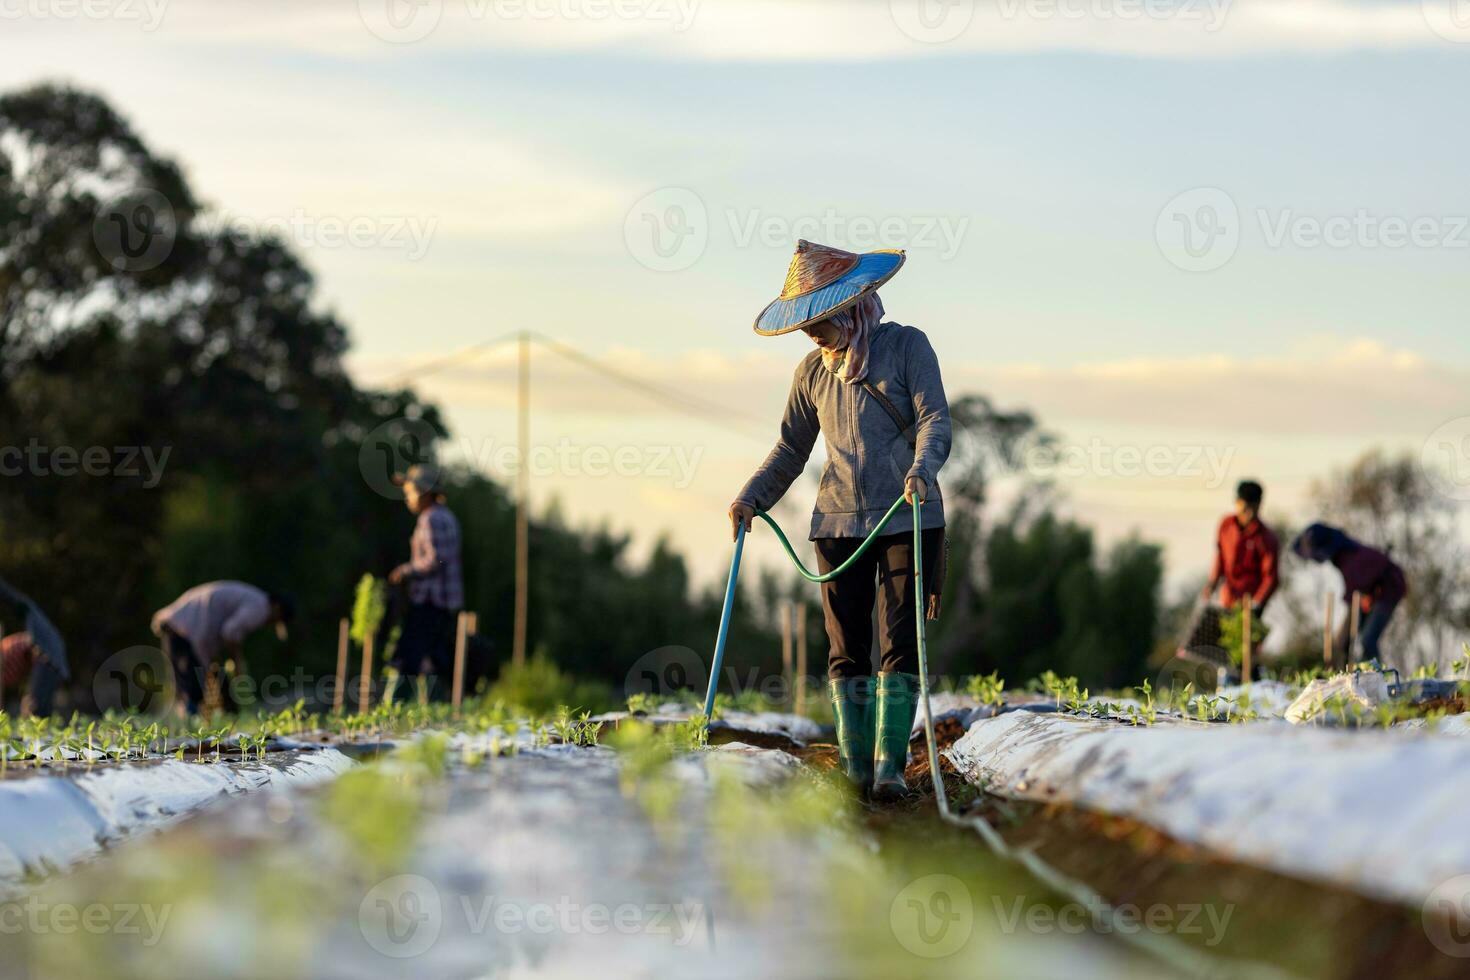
[1202, 240]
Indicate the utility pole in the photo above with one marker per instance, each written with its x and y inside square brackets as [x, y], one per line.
[523, 498]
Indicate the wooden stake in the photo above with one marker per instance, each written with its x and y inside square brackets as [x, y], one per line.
[1355, 616]
[523, 500]
[788, 675]
[801, 658]
[1328, 610]
[344, 645]
[1247, 643]
[461, 635]
[365, 686]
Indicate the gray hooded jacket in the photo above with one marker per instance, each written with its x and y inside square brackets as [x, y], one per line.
[868, 458]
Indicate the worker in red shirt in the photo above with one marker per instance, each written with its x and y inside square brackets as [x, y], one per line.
[1246, 554]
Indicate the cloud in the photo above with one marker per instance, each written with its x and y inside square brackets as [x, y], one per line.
[1331, 387]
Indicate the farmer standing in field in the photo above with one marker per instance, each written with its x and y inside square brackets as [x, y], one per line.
[872, 388]
[1246, 554]
[434, 577]
[1375, 578]
[206, 627]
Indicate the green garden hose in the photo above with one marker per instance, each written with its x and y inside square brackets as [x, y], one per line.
[829, 576]
[919, 612]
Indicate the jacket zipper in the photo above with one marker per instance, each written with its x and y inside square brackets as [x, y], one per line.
[857, 442]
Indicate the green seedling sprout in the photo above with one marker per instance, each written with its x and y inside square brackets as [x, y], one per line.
[989, 689]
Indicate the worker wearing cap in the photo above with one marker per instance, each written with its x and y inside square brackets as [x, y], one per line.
[872, 390]
[434, 578]
[207, 626]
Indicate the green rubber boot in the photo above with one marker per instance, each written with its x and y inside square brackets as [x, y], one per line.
[898, 700]
[852, 707]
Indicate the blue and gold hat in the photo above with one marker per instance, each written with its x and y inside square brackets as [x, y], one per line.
[823, 280]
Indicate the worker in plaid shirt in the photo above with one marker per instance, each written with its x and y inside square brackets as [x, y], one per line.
[434, 577]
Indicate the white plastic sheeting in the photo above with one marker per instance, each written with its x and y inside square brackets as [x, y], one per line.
[1380, 812]
[1360, 692]
[52, 821]
[1453, 725]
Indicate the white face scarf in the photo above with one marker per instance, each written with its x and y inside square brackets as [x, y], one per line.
[849, 361]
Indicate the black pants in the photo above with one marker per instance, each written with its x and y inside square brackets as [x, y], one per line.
[191, 678]
[885, 574]
[426, 646]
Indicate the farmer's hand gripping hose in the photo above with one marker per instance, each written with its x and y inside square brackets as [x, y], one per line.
[714, 677]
